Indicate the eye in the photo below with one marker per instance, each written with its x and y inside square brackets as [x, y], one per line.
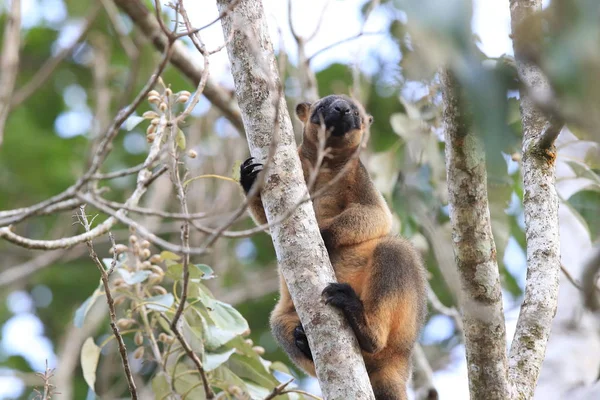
[356, 113]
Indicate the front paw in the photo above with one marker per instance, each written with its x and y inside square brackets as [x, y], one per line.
[302, 341]
[248, 173]
[342, 296]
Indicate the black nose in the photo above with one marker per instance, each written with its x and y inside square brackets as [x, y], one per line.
[342, 108]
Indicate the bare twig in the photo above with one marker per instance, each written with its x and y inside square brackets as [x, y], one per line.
[423, 376]
[13, 274]
[442, 309]
[188, 350]
[51, 209]
[141, 230]
[277, 390]
[182, 60]
[100, 154]
[197, 41]
[120, 173]
[156, 213]
[221, 15]
[570, 278]
[46, 70]
[591, 293]
[48, 387]
[113, 14]
[111, 304]
[9, 61]
[550, 132]
[348, 39]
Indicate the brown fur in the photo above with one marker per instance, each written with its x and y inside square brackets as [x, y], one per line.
[385, 272]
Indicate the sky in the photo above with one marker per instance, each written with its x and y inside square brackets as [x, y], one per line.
[23, 333]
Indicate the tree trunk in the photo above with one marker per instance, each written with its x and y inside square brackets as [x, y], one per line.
[540, 205]
[475, 251]
[301, 254]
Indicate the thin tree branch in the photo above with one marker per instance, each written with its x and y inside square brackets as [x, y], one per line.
[145, 177]
[591, 292]
[442, 309]
[111, 305]
[277, 390]
[9, 61]
[48, 387]
[570, 278]
[51, 209]
[474, 250]
[182, 60]
[190, 353]
[550, 132]
[423, 376]
[113, 14]
[348, 39]
[13, 274]
[100, 155]
[120, 216]
[214, 21]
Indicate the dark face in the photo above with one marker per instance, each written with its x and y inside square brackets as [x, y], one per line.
[339, 115]
[344, 120]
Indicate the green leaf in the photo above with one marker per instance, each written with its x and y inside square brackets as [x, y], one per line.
[213, 336]
[90, 353]
[160, 303]
[180, 139]
[133, 121]
[167, 255]
[224, 378]
[160, 386]
[131, 278]
[197, 271]
[219, 321]
[83, 309]
[228, 318]
[207, 272]
[214, 360]
[258, 392]
[235, 171]
[251, 368]
[192, 331]
[281, 367]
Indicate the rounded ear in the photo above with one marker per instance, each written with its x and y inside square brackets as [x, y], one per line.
[302, 111]
[370, 119]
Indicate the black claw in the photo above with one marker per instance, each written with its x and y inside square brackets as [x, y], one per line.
[302, 341]
[248, 173]
[248, 161]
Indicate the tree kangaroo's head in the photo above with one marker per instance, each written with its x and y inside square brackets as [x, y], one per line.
[342, 119]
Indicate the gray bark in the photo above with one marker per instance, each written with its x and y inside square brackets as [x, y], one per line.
[480, 297]
[540, 203]
[570, 369]
[301, 254]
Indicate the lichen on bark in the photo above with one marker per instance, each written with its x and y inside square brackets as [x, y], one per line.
[301, 254]
[474, 249]
[540, 208]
